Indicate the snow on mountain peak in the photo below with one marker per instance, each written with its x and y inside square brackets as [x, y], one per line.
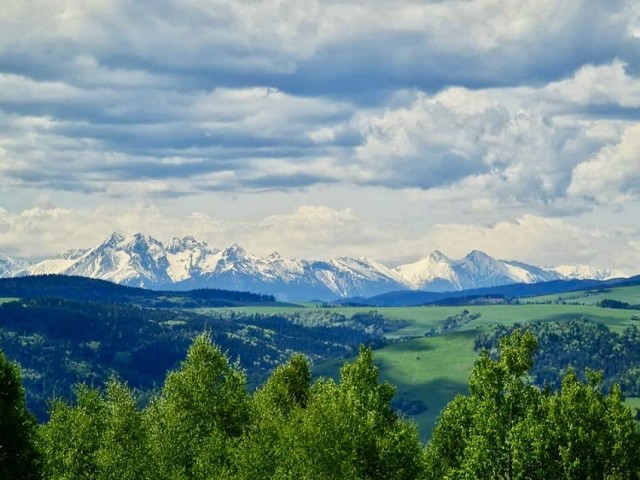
[478, 256]
[235, 250]
[74, 253]
[141, 260]
[587, 272]
[437, 272]
[187, 243]
[438, 256]
[114, 239]
[9, 266]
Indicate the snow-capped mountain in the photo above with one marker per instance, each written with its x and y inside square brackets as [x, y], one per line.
[586, 271]
[439, 273]
[435, 272]
[10, 265]
[189, 257]
[136, 260]
[186, 263]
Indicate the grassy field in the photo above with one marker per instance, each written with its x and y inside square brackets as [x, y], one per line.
[633, 402]
[591, 297]
[420, 319]
[435, 369]
[432, 370]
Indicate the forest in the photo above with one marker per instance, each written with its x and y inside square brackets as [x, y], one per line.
[59, 342]
[579, 344]
[95, 290]
[203, 424]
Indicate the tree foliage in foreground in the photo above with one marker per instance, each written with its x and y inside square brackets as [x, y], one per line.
[203, 425]
[507, 428]
[18, 456]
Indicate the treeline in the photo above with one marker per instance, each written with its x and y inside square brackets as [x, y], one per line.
[581, 345]
[609, 303]
[203, 424]
[94, 290]
[61, 342]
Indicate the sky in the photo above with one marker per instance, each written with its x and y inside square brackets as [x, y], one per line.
[318, 129]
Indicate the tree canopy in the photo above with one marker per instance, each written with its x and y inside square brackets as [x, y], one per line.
[18, 455]
[508, 428]
[203, 424]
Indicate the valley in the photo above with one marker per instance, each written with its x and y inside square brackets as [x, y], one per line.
[427, 352]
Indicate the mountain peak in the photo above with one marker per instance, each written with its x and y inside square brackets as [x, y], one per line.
[189, 242]
[142, 241]
[73, 254]
[235, 250]
[114, 239]
[479, 256]
[184, 262]
[477, 253]
[438, 256]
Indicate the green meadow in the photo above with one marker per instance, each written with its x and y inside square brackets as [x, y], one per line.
[436, 368]
[629, 295]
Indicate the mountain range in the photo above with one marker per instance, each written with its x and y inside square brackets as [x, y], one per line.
[186, 263]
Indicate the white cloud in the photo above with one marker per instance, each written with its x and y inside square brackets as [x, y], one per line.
[318, 231]
[476, 142]
[598, 85]
[542, 241]
[613, 174]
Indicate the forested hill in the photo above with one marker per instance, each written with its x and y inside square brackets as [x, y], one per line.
[89, 289]
[59, 342]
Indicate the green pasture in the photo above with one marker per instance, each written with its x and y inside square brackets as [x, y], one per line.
[629, 295]
[633, 402]
[435, 369]
[432, 370]
[420, 319]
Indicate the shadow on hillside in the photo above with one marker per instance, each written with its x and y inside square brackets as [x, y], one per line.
[435, 395]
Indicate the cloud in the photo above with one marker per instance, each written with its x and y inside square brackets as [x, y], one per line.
[316, 46]
[518, 106]
[504, 145]
[613, 174]
[225, 130]
[319, 231]
[543, 241]
[486, 142]
[598, 85]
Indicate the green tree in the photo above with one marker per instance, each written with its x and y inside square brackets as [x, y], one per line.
[508, 429]
[349, 430]
[123, 452]
[267, 445]
[71, 439]
[198, 417]
[99, 437]
[18, 455]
